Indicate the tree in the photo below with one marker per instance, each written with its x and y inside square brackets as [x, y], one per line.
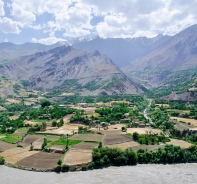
[45, 103]
[54, 123]
[135, 136]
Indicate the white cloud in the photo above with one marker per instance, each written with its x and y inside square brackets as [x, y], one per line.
[125, 18]
[2, 12]
[47, 41]
[23, 16]
[8, 26]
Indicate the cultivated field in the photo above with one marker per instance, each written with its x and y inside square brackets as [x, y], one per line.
[14, 155]
[182, 144]
[4, 146]
[87, 137]
[147, 147]
[65, 129]
[29, 139]
[116, 139]
[143, 130]
[40, 160]
[124, 145]
[84, 145]
[74, 157]
[183, 126]
[186, 120]
[21, 131]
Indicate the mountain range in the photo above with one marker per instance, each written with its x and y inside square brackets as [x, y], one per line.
[98, 66]
[72, 70]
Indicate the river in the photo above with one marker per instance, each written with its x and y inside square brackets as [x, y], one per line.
[153, 174]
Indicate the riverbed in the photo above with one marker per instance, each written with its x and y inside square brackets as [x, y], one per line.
[153, 174]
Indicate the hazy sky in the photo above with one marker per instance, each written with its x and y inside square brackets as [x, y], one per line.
[49, 21]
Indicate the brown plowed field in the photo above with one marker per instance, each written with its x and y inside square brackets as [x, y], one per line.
[40, 160]
[124, 145]
[74, 157]
[143, 130]
[12, 156]
[29, 139]
[4, 146]
[37, 145]
[186, 120]
[148, 147]
[57, 148]
[87, 137]
[116, 139]
[84, 145]
[181, 143]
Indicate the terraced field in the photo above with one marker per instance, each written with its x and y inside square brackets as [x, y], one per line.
[14, 155]
[116, 139]
[124, 145]
[40, 160]
[4, 146]
[143, 130]
[87, 137]
[29, 139]
[79, 154]
[193, 122]
[181, 143]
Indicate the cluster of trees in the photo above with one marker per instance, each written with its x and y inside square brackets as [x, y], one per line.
[7, 125]
[149, 138]
[169, 154]
[113, 114]
[105, 156]
[2, 160]
[47, 112]
[80, 116]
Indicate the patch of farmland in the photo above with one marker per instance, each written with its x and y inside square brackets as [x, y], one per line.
[124, 145]
[84, 146]
[76, 157]
[57, 148]
[37, 145]
[12, 156]
[65, 129]
[116, 139]
[147, 147]
[186, 120]
[181, 143]
[40, 160]
[29, 139]
[87, 137]
[143, 130]
[4, 146]
[183, 126]
[21, 131]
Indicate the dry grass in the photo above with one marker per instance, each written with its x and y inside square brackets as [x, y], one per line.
[143, 130]
[182, 144]
[87, 137]
[5, 146]
[40, 160]
[116, 139]
[186, 120]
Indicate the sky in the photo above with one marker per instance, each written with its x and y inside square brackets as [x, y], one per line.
[50, 21]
